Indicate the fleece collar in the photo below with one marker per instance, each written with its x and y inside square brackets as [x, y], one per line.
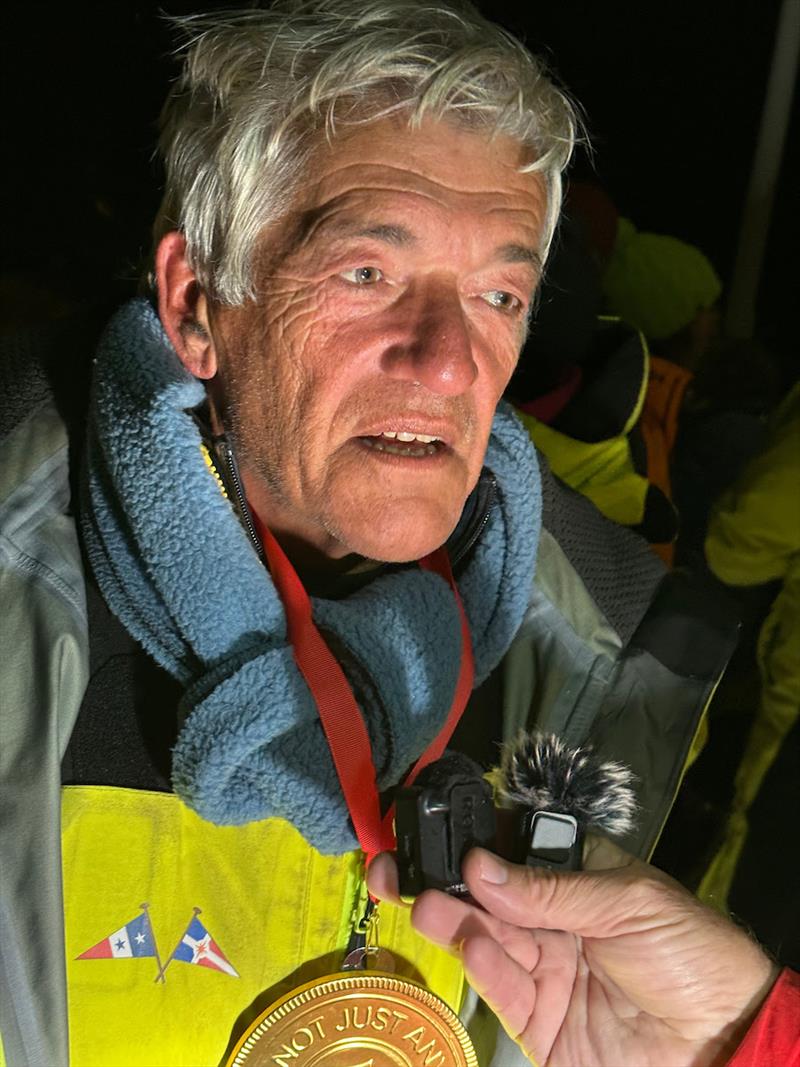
[176, 567]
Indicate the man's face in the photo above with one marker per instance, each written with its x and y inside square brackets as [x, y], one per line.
[390, 309]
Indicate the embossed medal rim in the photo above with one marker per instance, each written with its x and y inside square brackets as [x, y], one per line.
[361, 981]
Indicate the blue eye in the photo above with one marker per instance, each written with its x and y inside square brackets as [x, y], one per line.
[500, 299]
[362, 275]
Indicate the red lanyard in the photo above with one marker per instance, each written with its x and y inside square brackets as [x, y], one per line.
[338, 709]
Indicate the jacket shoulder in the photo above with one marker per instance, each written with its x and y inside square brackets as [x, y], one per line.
[617, 570]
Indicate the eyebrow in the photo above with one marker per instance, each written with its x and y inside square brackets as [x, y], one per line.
[513, 253]
[390, 234]
[401, 237]
[311, 226]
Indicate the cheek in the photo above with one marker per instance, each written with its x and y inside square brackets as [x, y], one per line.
[278, 349]
[310, 371]
[493, 378]
[306, 331]
[498, 369]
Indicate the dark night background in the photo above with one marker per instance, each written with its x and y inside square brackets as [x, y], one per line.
[672, 95]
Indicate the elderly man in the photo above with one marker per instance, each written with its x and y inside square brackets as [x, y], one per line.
[360, 197]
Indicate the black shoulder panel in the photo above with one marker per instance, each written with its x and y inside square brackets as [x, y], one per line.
[127, 723]
[690, 627]
[619, 570]
[612, 383]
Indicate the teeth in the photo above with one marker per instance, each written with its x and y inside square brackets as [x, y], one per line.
[423, 438]
[379, 445]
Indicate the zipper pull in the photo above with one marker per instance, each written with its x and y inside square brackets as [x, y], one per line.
[363, 952]
[355, 953]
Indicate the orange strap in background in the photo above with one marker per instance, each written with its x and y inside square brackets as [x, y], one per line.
[658, 425]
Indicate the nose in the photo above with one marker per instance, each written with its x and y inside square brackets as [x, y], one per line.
[434, 347]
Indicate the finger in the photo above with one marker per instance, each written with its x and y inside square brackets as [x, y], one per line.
[382, 881]
[582, 902]
[531, 1004]
[448, 921]
[507, 988]
[602, 854]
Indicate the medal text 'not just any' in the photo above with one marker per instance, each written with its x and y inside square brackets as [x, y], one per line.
[348, 1021]
[363, 1017]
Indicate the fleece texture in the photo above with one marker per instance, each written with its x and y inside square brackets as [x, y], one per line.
[176, 567]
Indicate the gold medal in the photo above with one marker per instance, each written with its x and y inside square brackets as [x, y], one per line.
[356, 1019]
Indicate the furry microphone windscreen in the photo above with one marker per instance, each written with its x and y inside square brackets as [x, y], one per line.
[540, 772]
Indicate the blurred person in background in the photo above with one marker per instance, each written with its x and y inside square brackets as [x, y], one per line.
[753, 539]
[580, 389]
[670, 291]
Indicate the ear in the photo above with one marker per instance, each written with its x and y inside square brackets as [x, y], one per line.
[183, 307]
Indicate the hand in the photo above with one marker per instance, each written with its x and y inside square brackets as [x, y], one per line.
[618, 967]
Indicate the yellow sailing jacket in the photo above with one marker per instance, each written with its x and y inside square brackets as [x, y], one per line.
[235, 916]
[603, 471]
[266, 902]
[602, 468]
[754, 538]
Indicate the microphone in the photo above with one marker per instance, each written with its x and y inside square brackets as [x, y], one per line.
[534, 808]
[550, 794]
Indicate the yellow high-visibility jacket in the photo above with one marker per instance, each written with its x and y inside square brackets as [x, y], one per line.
[240, 913]
[754, 538]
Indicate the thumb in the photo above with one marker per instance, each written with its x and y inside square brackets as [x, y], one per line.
[587, 903]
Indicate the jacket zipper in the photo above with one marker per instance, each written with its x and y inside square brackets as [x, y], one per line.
[223, 449]
[488, 486]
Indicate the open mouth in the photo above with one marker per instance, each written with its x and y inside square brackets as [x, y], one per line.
[415, 446]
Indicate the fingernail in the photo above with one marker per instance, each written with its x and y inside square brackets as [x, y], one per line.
[493, 870]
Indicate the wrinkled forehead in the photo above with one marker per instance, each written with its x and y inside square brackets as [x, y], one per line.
[373, 176]
[466, 158]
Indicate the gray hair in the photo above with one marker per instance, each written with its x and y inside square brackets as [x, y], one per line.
[259, 88]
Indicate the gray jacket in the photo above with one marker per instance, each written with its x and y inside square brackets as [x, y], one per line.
[610, 650]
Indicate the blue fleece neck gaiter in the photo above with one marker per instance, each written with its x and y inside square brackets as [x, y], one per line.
[176, 567]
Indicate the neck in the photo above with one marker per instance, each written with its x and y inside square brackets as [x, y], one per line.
[317, 564]
[314, 566]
